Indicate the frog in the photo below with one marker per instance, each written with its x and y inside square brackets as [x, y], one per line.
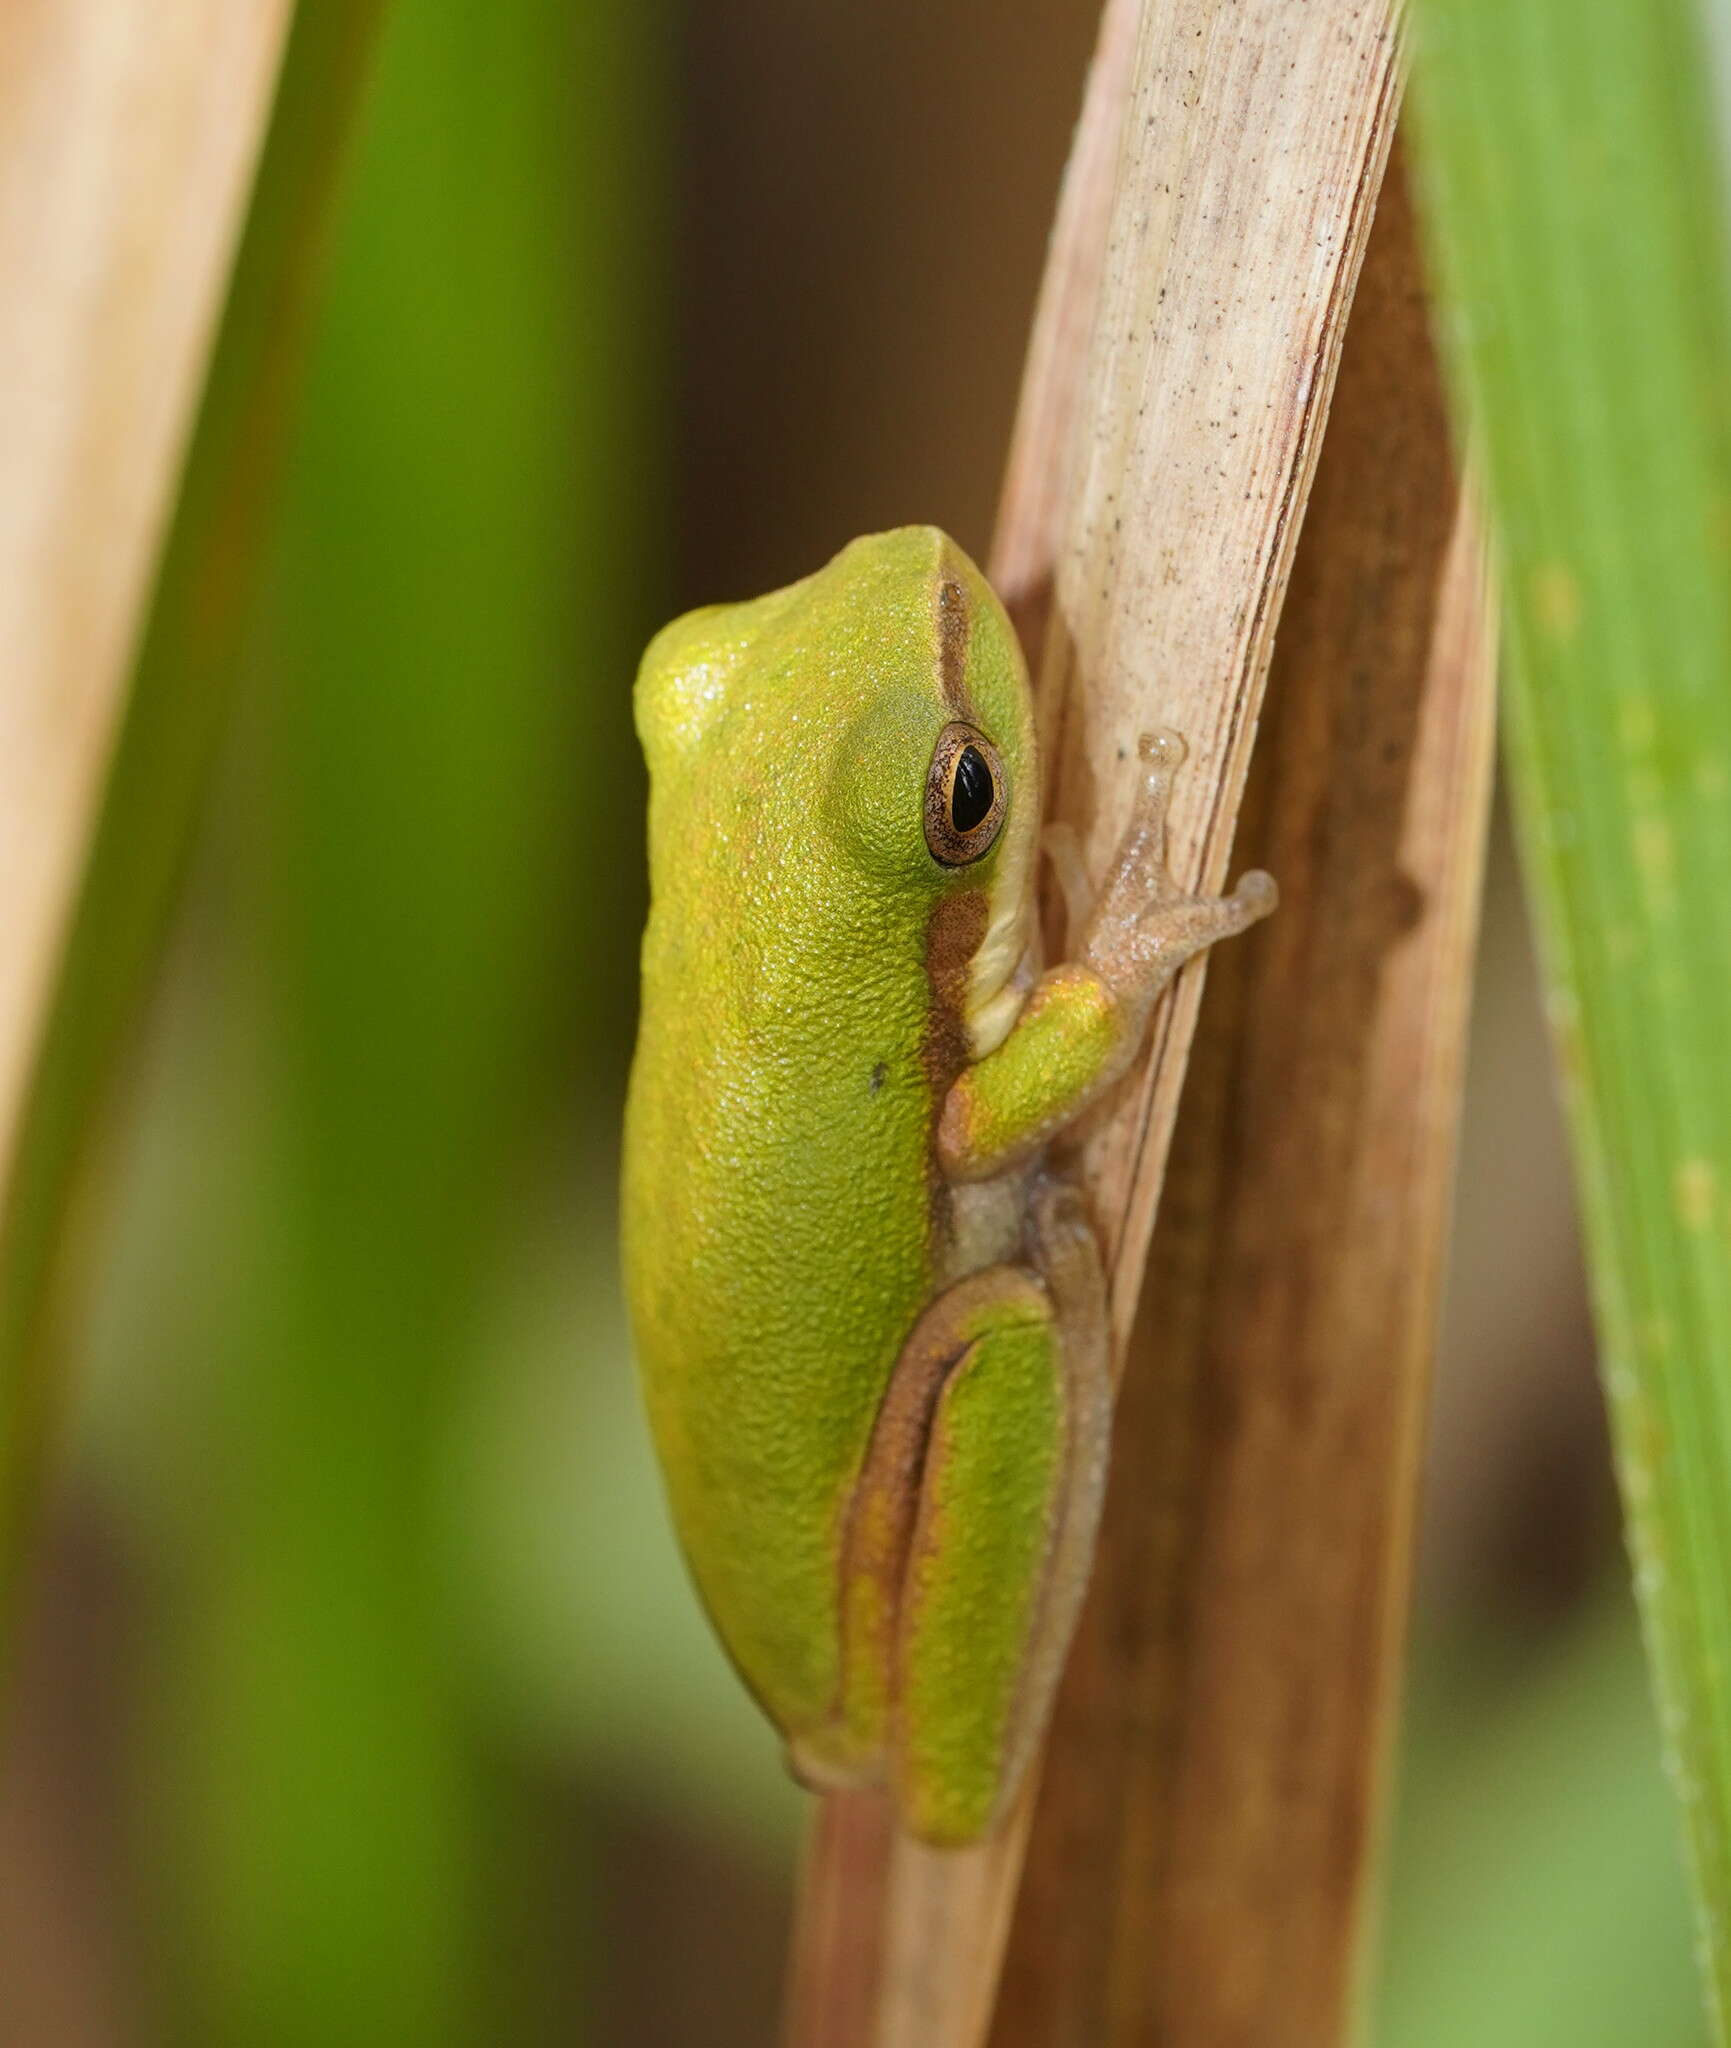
[868, 1302]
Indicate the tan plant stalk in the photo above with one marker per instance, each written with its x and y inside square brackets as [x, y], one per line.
[1212, 228]
[1202, 1853]
[155, 381]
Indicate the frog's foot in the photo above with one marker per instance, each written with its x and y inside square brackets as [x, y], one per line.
[1146, 926]
[1179, 928]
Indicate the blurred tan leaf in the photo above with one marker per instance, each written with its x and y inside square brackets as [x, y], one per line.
[128, 144]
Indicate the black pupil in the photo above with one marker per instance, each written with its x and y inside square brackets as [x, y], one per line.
[972, 793]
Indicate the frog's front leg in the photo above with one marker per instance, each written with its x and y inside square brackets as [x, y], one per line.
[1084, 1021]
[973, 1526]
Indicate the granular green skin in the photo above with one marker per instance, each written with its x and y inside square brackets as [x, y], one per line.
[780, 1228]
[872, 1340]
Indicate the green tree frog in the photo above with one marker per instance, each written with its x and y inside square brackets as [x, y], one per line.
[870, 1321]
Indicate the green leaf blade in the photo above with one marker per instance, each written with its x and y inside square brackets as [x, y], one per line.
[1574, 199]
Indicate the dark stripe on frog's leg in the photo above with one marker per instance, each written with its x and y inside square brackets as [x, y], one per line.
[878, 1535]
[1003, 1545]
[907, 1551]
[989, 1507]
[971, 1534]
[880, 1527]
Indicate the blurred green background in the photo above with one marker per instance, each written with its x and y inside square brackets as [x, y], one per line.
[364, 1700]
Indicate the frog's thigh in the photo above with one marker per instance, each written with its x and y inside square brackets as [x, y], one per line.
[1004, 1532]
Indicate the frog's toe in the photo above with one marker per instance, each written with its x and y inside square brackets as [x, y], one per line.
[1257, 894]
[1162, 753]
[1163, 749]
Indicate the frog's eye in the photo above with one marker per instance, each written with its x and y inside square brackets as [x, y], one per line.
[966, 792]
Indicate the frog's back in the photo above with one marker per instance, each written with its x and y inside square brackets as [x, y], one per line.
[781, 1225]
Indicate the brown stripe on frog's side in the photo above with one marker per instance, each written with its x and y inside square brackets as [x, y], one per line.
[955, 629]
[954, 930]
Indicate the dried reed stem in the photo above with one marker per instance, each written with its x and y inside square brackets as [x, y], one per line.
[1208, 1818]
[1213, 223]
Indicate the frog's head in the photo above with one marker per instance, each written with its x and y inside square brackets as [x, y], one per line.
[861, 743]
[934, 782]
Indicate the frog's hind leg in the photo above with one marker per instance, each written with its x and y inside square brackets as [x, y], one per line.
[994, 1325]
[973, 1525]
[1064, 1247]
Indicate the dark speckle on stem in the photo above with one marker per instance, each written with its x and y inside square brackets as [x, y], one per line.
[880, 1073]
